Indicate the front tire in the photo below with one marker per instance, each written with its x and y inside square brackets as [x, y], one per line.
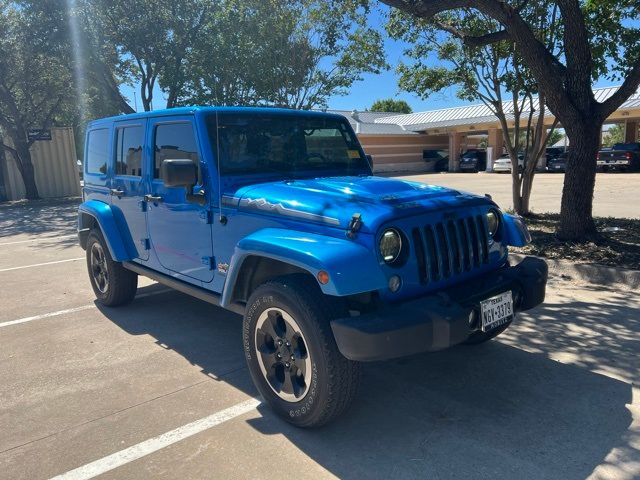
[291, 353]
[112, 283]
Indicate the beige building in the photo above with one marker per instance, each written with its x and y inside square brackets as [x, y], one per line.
[396, 141]
[55, 167]
[395, 147]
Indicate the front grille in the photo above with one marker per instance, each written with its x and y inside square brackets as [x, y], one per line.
[451, 247]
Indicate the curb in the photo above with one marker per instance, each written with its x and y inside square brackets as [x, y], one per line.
[592, 273]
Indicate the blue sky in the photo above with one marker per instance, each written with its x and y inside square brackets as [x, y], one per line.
[372, 87]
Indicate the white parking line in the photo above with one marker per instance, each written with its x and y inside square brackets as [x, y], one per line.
[70, 310]
[41, 264]
[147, 447]
[38, 239]
[45, 315]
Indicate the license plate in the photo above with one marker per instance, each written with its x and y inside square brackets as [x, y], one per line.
[496, 311]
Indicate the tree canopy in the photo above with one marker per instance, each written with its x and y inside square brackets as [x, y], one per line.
[391, 105]
[292, 54]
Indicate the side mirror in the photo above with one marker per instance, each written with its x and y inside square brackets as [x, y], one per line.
[179, 173]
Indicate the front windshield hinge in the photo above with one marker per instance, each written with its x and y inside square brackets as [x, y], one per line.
[354, 226]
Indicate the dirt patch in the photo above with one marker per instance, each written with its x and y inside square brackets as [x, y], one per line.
[618, 245]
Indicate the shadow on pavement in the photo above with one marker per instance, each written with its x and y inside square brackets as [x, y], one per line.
[490, 411]
[48, 220]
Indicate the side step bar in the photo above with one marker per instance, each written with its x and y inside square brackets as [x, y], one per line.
[184, 287]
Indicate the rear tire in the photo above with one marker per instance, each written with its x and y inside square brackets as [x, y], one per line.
[112, 283]
[291, 352]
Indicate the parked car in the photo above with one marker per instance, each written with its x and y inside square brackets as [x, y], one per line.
[622, 156]
[558, 163]
[438, 158]
[473, 161]
[552, 152]
[275, 215]
[503, 163]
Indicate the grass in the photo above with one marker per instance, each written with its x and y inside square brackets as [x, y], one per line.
[618, 244]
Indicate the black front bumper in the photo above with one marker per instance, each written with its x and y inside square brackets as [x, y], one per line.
[437, 321]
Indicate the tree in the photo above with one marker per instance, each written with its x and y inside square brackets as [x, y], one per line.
[599, 38]
[293, 54]
[35, 77]
[614, 135]
[152, 39]
[391, 105]
[483, 73]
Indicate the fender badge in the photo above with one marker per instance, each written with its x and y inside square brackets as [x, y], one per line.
[223, 267]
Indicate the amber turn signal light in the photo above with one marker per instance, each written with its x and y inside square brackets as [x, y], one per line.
[323, 277]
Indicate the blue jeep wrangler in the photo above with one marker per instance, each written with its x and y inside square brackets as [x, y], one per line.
[274, 214]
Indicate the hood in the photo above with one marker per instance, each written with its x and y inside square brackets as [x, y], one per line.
[334, 200]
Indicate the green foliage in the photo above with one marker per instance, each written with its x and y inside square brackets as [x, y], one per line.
[291, 54]
[554, 137]
[391, 105]
[238, 52]
[35, 74]
[614, 33]
[614, 135]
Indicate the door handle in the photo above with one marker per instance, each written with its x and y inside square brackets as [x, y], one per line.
[117, 192]
[152, 198]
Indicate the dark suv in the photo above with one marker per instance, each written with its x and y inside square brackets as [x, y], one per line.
[473, 161]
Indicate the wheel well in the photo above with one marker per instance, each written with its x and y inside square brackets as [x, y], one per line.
[86, 224]
[257, 270]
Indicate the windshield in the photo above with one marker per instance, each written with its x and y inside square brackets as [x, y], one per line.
[286, 145]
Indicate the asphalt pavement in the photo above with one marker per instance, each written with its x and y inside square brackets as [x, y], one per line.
[615, 195]
[159, 388]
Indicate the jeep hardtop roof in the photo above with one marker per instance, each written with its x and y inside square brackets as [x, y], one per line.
[203, 110]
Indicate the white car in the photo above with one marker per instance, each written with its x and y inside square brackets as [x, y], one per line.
[503, 164]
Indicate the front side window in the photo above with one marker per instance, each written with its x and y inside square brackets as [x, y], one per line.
[175, 141]
[97, 151]
[285, 145]
[129, 142]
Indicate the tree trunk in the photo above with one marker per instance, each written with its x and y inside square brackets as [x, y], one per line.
[576, 220]
[516, 184]
[527, 186]
[27, 171]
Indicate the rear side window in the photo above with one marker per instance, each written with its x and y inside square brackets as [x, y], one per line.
[129, 150]
[175, 141]
[97, 151]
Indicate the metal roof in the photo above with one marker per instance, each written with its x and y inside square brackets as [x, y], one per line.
[365, 123]
[479, 114]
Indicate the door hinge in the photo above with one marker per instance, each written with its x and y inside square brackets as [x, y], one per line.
[207, 216]
[146, 243]
[209, 261]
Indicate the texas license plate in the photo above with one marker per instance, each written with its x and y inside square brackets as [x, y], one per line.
[496, 311]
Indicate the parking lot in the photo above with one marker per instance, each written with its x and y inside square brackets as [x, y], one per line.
[159, 388]
[616, 194]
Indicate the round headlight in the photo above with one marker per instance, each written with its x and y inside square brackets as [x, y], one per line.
[493, 222]
[390, 245]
